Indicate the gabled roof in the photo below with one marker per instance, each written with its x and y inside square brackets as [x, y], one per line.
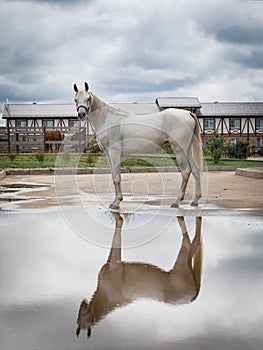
[208, 109]
[178, 102]
[38, 110]
[231, 109]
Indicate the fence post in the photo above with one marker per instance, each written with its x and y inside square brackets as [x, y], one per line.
[44, 131]
[8, 138]
[17, 139]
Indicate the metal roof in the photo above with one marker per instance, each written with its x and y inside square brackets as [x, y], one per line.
[208, 109]
[229, 109]
[36, 110]
[178, 102]
[67, 110]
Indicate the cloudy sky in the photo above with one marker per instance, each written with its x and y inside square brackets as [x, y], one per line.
[131, 50]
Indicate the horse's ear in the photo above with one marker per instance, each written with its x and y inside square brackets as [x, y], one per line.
[89, 332]
[86, 86]
[78, 331]
[75, 88]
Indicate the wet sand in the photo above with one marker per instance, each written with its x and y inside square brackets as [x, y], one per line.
[51, 261]
[223, 189]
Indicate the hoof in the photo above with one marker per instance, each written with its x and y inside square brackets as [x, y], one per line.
[174, 205]
[194, 204]
[114, 207]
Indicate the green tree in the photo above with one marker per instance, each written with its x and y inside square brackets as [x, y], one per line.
[240, 150]
[215, 145]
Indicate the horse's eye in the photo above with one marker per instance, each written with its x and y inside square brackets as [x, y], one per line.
[75, 100]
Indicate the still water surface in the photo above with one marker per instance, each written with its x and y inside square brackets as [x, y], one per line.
[52, 274]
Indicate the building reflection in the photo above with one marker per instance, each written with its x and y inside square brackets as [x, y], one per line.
[120, 283]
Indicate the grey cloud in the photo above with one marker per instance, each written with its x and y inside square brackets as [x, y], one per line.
[135, 48]
[30, 92]
[57, 2]
[49, 332]
[253, 60]
[241, 35]
[131, 84]
[248, 268]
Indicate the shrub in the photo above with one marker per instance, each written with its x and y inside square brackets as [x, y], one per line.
[40, 156]
[240, 150]
[90, 159]
[215, 145]
[260, 152]
[93, 146]
[12, 157]
[167, 148]
[206, 152]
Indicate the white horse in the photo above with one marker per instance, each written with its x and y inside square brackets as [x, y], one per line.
[120, 283]
[120, 132]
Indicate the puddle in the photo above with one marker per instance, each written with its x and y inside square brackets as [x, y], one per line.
[19, 191]
[21, 185]
[130, 281]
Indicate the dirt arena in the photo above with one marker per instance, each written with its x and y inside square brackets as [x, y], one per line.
[224, 189]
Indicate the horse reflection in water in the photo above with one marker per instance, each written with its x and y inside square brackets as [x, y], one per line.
[120, 283]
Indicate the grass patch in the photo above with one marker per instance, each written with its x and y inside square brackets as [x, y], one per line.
[234, 162]
[91, 161]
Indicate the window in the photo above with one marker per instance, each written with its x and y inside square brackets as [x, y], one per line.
[233, 141]
[21, 123]
[260, 142]
[71, 123]
[49, 123]
[206, 142]
[209, 123]
[259, 123]
[234, 123]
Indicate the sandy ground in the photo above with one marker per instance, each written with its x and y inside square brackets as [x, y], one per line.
[223, 189]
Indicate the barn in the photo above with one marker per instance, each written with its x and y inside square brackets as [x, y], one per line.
[26, 123]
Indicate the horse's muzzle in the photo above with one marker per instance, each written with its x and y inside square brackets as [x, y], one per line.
[83, 111]
[81, 115]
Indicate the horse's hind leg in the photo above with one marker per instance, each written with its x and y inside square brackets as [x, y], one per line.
[196, 174]
[185, 173]
[183, 255]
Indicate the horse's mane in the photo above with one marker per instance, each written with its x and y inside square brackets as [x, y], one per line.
[119, 111]
[112, 109]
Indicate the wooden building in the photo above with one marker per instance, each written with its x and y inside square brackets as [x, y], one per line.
[26, 123]
[235, 120]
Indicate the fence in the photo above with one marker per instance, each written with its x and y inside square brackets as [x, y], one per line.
[32, 139]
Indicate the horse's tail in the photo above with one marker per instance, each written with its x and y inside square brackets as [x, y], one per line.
[197, 268]
[196, 254]
[60, 136]
[197, 144]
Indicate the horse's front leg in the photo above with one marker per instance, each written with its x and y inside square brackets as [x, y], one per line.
[115, 252]
[118, 193]
[114, 158]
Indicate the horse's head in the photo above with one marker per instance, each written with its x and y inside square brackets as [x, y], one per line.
[85, 318]
[83, 100]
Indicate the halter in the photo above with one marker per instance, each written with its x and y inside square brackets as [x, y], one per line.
[82, 106]
[86, 109]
